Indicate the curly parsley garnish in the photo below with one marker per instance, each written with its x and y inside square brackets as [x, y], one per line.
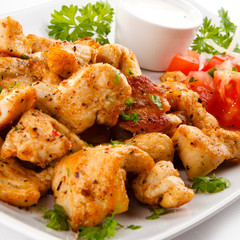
[132, 117]
[156, 100]
[116, 143]
[92, 20]
[58, 219]
[156, 213]
[222, 35]
[129, 102]
[210, 184]
[107, 229]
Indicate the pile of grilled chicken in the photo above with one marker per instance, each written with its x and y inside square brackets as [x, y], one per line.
[58, 97]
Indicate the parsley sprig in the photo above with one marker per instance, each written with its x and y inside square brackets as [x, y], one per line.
[222, 35]
[157, 101]
[132, 117]
[156, 213]
[92, 20]
[58, 219]
[115, 143]
[107, 229]
[210, 184]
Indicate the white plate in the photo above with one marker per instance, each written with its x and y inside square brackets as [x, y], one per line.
[31, 223]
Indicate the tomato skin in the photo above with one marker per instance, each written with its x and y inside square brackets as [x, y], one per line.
[184, 64]
[215, 60]
[202, 83]
[225, 102]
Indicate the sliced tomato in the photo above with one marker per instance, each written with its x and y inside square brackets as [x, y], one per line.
[193, 54]
[202, 83]
[216, 60]
[225, 102]
[226, 65]
[184, 64]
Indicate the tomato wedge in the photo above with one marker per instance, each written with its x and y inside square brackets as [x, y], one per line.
[184, 64]
[225, 102]
[202, 83]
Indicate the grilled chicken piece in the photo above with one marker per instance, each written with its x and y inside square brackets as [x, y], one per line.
[95, 93]
[159, 146]
[175, 76]
[162, 186]
[20, 186]
[14, 102]
[199, 153]
[90, 184]
[120, 57]
[189, 103]
[148, 116]
[39, 139]
[65, 58]
[25, 71]
[39, 44]
[12, 40]
[202, 151]
[203, 146]
[89, 42]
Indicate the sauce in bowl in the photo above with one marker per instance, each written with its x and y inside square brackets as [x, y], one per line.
[155, 30]
[163, 12]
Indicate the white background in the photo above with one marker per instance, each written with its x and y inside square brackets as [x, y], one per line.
[225, 224]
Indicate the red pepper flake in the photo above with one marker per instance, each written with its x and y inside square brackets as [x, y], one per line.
[54, 133]
[107, 149]
[108, 83]
[64, 82]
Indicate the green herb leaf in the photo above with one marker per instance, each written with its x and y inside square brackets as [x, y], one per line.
[92, 20]
[130, 71]
[58, 219]
[129, 102]
[210, 184]
[15, 85]
[44, 208]
[211, 71]
[156, 213]
[192, 79]
[221, 35]
[117, 78]
[24, 56]
[107, 229]
[132, 117]
[15, 128]
[1, 89]
[234, 69]
[156, 100]
[115, 143]
[109, 99]
[89, 144]
[133, 227]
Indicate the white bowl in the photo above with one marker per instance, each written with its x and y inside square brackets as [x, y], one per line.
[155, 30]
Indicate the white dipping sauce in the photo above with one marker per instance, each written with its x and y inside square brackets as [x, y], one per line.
[163, 12]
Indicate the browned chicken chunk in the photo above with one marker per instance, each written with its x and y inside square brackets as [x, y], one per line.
[120, 57]
[14, 102]
[96, 93]
[148, 110]
[12, 40]
[159, 146]
[162, 186]
[65, 58]
[39, 138]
